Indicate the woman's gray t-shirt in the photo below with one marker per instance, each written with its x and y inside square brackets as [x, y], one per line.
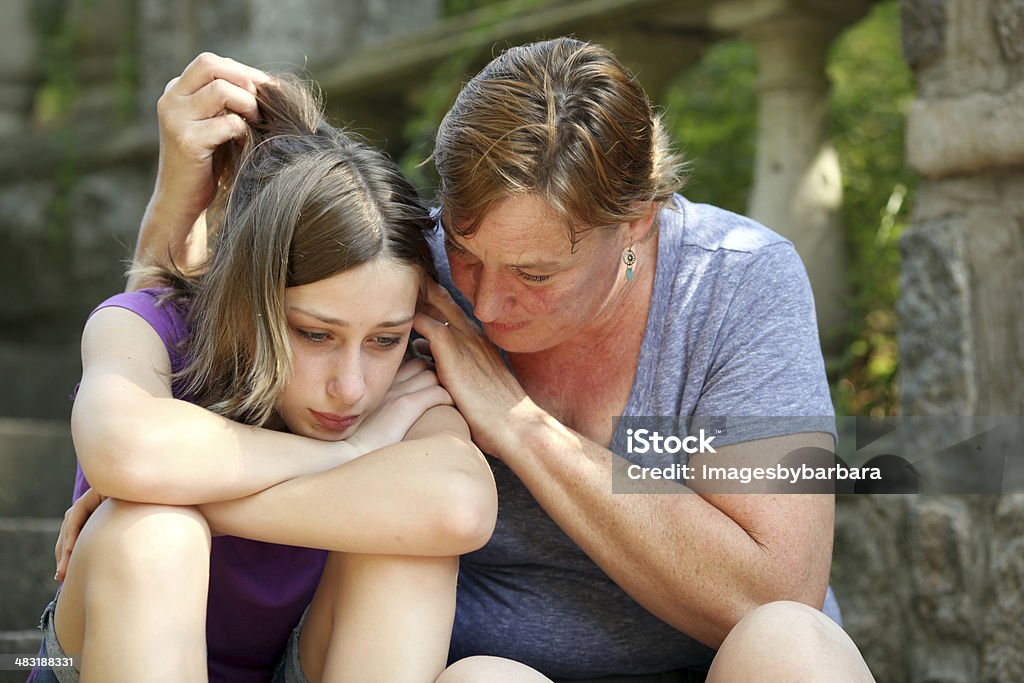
[731, 332]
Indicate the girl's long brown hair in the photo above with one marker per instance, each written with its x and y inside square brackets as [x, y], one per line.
[299, 201]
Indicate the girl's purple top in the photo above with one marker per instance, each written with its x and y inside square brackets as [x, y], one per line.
[258, 591]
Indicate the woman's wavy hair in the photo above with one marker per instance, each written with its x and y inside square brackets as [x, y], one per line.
[565, 120]
[298, 201]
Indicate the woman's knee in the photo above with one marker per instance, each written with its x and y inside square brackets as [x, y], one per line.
[491, 669]
[787, 640]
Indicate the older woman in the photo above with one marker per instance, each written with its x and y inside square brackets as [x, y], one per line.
[583, 288]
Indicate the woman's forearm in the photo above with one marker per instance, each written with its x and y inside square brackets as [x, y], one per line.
[167, 235]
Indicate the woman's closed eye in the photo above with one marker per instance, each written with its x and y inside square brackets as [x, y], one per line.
[529, 277]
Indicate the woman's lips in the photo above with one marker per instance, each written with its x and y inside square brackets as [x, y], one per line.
[335, 423]
[506, 327]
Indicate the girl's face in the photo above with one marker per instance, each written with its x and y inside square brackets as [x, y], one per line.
[348, 337]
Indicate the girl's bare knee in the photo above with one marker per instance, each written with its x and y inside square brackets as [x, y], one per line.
[146, 540]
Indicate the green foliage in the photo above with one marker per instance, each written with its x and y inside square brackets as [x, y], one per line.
[712, 112]
[446, 80]
[53, 106]
[872, 89]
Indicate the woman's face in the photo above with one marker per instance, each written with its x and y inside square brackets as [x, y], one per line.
[348, 337]
[528, 287]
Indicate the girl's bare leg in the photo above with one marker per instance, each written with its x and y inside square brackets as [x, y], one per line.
[380, 618]
[133, 606]
[788, 641]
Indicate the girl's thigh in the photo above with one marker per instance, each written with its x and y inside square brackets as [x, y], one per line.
[385, 617]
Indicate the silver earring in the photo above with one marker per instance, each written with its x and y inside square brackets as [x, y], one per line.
[629, 258]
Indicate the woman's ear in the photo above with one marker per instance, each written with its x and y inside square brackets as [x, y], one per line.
[640, 229]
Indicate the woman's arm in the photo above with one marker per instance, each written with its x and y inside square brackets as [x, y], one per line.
[203, 108]
[698, 562]
[432, 494]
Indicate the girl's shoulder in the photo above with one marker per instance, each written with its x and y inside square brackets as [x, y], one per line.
[165, 312]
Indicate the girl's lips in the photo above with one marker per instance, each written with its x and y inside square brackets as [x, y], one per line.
[335, 423]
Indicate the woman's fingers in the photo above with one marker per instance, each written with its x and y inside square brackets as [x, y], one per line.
[219, 96]
[441, 307]
[209, 67]
[74, 521]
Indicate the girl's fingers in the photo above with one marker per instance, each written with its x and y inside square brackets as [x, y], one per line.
[421, 380]
[408, 369]
[421, 347]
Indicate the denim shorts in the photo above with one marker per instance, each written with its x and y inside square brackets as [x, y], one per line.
[288, 670]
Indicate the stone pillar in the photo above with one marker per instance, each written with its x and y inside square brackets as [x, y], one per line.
[962, 283]
[102, 38]
[797, 183]
[19, 65]
[168, 40]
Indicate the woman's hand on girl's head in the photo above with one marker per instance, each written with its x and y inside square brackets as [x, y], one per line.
[471, 369]
[204, 107]
[74, 520]
[414, 390]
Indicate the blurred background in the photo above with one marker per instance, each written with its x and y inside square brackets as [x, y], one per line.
[885, 138]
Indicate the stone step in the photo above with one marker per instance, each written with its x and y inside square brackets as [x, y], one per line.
[18, 643]
[38, 380]
[26, 570]
[37, 467]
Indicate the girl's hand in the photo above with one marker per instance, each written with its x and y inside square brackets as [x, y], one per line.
[74, 520]
[472, 370]
[204, 107]
[414, 391]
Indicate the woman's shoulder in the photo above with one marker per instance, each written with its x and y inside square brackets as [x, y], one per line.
[712, 228]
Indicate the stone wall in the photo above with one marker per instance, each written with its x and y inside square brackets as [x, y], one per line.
[934, 585]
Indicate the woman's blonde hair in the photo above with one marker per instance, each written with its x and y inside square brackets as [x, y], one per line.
[299, 201]
[562, 119]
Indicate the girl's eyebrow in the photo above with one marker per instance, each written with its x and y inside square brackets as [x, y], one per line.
[328, 320]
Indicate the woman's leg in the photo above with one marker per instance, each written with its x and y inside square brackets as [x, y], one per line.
[384, 618]
[492, 670]
[788, 641]
[133, 606]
